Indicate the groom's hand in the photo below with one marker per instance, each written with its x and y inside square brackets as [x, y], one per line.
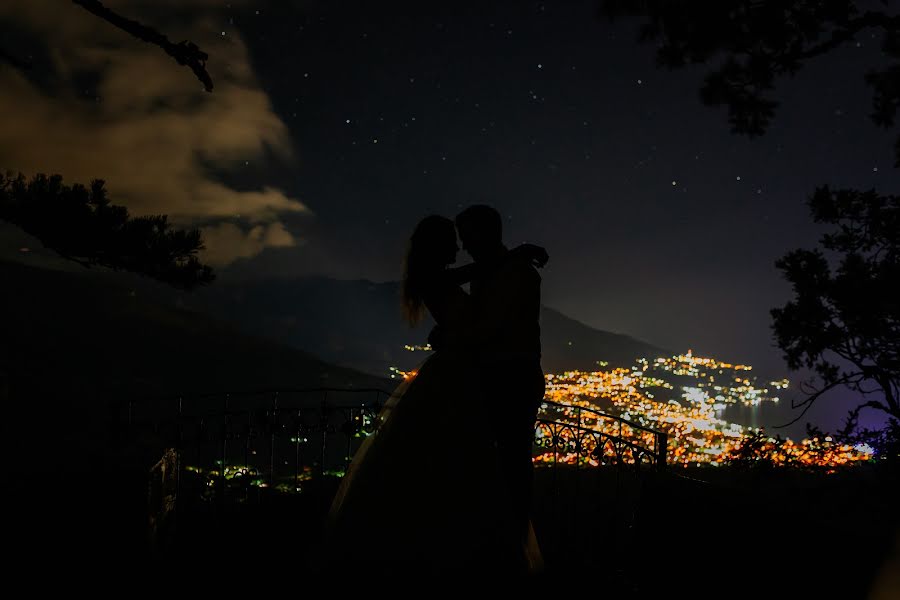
[536, 255]
[540, 257]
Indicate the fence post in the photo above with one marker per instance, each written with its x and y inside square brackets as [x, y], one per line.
[350, 432]
[662, 443]
[272, 441]
[324, 428]
[179, 446]
[224, 450]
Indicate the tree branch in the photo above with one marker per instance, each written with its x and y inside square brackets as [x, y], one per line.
[887, 387]
[808, 402]
[839, 36]
[185, 52]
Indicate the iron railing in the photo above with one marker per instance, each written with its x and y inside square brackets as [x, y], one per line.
[266, 438]
[581, 435]
[280, 438]
[240, 446]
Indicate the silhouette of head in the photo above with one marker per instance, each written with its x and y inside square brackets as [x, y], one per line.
[480, 231]
[432, 246]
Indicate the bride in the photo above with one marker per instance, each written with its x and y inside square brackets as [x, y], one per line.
[423, 493]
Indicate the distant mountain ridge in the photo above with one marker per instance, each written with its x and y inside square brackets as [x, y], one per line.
[81, 335]
[358, 324]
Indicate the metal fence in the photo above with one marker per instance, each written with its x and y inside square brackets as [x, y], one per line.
[237, 448]
[579, 435]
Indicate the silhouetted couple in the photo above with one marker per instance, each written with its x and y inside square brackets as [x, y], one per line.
[444, 485]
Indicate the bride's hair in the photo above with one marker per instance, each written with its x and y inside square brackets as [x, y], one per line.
[426, 256]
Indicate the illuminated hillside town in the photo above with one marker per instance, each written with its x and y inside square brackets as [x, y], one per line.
[684, 397]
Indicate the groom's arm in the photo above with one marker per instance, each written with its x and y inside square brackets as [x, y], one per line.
[528, 253]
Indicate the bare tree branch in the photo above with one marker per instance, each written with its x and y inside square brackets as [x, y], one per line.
[839, 36]
[810, 399]
[185, 52]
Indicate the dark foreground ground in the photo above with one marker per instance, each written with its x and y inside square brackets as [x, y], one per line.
[698, 533]
[779, 534]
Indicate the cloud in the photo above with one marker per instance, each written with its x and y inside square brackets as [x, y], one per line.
[146, 126]
[226, 242]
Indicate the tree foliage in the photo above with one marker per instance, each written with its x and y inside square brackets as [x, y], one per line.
[884, 443]
[844, 320]
[754, 452]
[81, 225]
[753, 43]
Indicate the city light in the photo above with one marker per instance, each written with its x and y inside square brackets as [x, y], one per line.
[684, 396]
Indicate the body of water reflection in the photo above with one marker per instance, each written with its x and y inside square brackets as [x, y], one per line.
[828, 413]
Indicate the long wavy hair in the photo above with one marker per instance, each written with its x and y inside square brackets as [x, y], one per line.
[426, 256]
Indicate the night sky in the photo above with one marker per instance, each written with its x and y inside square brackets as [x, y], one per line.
[335, 126]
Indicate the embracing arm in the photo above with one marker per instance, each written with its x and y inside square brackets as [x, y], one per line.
[534, 254]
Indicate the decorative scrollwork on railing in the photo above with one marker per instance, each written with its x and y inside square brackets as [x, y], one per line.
[587, 437]
[568, 444]
[359, 422]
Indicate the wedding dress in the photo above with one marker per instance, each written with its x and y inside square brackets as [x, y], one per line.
[424, 492]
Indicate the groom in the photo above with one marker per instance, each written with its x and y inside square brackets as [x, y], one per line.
[506, 296]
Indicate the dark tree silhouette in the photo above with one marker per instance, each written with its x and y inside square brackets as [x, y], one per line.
[755, 42]
[81, 225]
[184, 52]
[754, 452]
[844, 320]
